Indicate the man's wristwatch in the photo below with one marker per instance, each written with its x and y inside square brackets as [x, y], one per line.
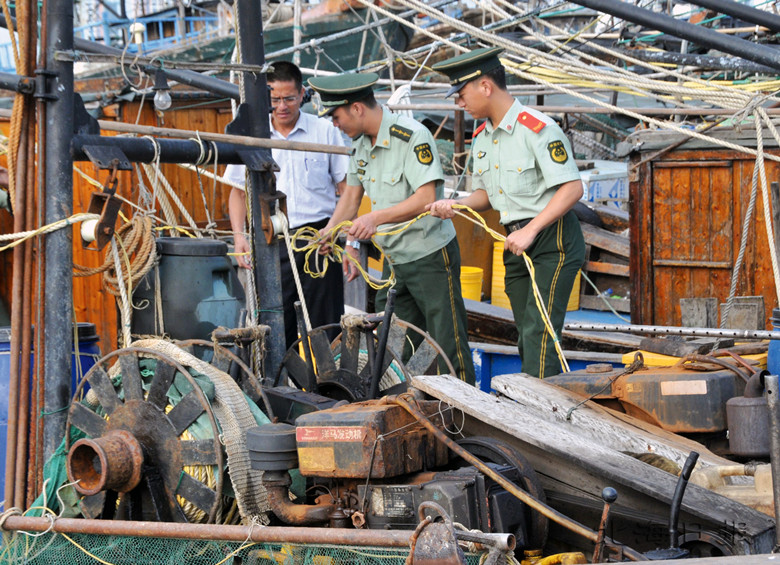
[354, 243]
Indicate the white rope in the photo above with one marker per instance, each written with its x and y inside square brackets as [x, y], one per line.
[159, 178]
[125, 310]
[296, 274]
[54, 226]
[724, 315]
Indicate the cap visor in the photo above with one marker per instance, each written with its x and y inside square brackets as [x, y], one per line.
[454, 88]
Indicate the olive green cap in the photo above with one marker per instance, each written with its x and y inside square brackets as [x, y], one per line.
[339, 90]
[468, 66]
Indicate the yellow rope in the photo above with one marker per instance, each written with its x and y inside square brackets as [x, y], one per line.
[314, 241]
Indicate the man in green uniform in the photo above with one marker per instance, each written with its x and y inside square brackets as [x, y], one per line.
[524, 168]
[396, 164]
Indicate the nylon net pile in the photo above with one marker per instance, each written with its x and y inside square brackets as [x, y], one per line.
[83, 549]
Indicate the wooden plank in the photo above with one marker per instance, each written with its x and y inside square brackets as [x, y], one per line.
[567, 463]
[604, 239]
[614, 219]
[592, 302]
[607, 268]
[610, 338]
[599, 424]
[490, 323]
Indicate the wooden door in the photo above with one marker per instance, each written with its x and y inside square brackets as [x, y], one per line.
[692, 233]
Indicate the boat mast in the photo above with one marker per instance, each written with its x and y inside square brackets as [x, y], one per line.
[58, 204]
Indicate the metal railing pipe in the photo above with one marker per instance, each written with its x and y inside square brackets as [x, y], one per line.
[674, 330]
[701, 36]
[168, 530]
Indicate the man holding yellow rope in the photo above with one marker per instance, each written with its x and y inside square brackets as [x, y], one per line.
[524, 168]
[395, 162]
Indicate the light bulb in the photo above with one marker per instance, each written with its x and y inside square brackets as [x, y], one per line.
[162, 100]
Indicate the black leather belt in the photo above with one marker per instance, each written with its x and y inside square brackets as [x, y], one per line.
[518, 225]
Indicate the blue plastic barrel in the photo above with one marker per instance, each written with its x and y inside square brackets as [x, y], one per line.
[773, 354]
[88, 355]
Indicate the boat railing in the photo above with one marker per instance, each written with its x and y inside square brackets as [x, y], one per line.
[156, 33]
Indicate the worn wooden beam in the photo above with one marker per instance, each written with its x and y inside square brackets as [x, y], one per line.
[592, 302]
[608, 338]
[607, 268]
[614, 219]
[604, 239]
[490, 324]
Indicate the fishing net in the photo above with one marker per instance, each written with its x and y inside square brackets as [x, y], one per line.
[82, 549]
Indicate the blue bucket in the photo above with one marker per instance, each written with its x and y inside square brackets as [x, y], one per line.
[88, 355]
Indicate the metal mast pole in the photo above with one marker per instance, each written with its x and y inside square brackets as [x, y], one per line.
[58, 204]
[254, 113]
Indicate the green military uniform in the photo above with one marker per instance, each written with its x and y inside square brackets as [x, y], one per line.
[520, 163]
[426, 255]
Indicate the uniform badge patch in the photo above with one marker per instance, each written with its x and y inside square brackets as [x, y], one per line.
[362, 163]
[481, 154]
[558, 152]
[401, 132]
[423, 152]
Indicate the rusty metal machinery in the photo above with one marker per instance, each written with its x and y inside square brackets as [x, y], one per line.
[133, 462]
[689, 397]
[372, 465]
[348, 367]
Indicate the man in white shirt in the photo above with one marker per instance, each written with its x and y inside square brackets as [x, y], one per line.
[311, 182]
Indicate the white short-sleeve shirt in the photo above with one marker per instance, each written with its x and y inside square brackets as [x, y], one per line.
[308, 179]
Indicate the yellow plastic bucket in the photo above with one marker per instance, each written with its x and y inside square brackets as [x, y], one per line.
[498, 296]
[471, 282]
[574, 297]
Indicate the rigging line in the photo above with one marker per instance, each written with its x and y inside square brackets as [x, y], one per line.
[616, 109]
[645, 64]
[203, 67]
[511, 47]
[767, 202]
[746, 223]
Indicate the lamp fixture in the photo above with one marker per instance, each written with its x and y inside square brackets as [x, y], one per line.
[162, 94]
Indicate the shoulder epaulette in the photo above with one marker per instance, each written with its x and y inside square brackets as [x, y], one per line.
[534, 124]
[479, 129]
[401, 132]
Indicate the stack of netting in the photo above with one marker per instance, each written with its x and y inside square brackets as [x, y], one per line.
[84, 549]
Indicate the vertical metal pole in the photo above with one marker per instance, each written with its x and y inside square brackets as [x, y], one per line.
[58, 202]
[773, 402]
[297, 31]
[254, 95]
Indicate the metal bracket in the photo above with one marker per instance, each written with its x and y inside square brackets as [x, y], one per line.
[107, 157]
[83, 122]
[42, 77]
[258, 160]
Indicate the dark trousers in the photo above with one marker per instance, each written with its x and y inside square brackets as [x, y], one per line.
[324, 296]
[428, 295]
[557, 253]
